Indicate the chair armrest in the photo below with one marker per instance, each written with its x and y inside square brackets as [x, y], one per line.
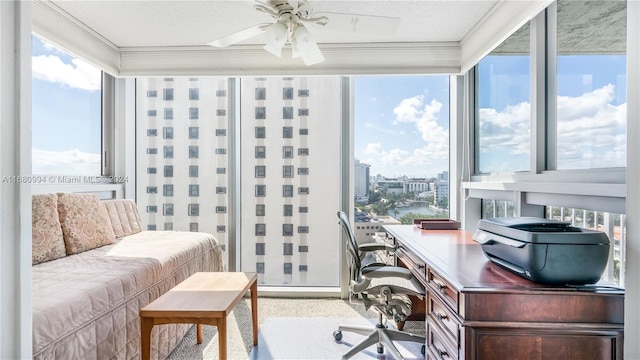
[369, 247]
[376, 272]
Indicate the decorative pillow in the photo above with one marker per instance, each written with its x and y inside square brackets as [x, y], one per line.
[124, 217]
[85, 222]
[47, 242]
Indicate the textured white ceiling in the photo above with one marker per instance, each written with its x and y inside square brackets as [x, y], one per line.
[189, 22]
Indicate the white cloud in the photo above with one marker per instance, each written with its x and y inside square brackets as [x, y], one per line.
[68, 162]
[79, 74]
[591, 131]
[424, 118]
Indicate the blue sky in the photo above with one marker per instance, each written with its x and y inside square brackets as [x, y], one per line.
[402, 124]
[66, 107]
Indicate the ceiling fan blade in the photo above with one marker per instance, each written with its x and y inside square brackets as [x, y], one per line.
[360, 24]
[239, 36]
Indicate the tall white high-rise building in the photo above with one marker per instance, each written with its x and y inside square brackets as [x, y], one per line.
[362, 179]
[287, 166]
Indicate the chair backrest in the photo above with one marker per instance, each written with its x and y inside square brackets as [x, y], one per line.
[352, 245]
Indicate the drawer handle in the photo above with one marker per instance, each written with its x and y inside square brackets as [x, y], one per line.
[441, 353]
[441, 317]
[439, 285]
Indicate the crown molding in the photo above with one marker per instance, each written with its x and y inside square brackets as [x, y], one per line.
[65, 31]
[340, 59]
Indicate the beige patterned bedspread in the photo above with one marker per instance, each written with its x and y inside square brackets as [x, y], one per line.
[85, 306]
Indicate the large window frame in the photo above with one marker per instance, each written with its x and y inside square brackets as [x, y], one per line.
[597, 189]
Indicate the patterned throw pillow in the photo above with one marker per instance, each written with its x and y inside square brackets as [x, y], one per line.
[47, 242]
[85, 222]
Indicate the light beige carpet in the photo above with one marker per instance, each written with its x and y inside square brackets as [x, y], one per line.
[239, 338]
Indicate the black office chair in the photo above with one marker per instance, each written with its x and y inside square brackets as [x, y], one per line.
[383, 287]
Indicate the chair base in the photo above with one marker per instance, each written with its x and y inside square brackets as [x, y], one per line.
[380, 335]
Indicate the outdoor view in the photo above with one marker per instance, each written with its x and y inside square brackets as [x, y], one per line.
[401, 148]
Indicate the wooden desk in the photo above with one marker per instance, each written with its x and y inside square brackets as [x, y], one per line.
[477, 310]
[203, 298]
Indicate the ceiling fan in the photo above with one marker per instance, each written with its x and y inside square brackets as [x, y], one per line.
[294, 23]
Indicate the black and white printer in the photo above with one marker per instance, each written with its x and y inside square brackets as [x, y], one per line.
[544, 251]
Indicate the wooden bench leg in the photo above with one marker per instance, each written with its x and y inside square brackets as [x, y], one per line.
[222, 337]
[146, 325]
[254, 311]
[199, 334]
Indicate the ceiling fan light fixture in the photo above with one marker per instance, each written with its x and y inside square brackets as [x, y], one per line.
[304, 45]
[276, 38]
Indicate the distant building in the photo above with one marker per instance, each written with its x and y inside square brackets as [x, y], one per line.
[394, 186]
[416, 186]
[362, 180]
[366, 226]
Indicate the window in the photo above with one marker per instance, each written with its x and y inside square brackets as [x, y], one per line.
[287, 152]
[261, 190]
[193, 170]
[168, 226]
[152, 93]
[504, 116]
[303, 209]
[151, 227]
[303, 248]
[304, 132]
[194, 152]
[287, 249]
[221, 228]
[168, 113]
[152, 112]
[303, 171]
[152, 132]
[303, 93]
[261, 171]
[261, 113]
[303, 112]
[287, 210]
[287, 112]
[152, 209]
[193, 113]
[168, 151]
[287, 190]
[260, 248]
[497, 208]
[287, 230]
[66, 115]
[152, 189]
[167, 190]
[287, 132]
[221, 151]
[194, 132]
[261, 93]
[221, 93]
[194, 94]
[193, 209]
[168, 171]
[167, 94]
[221, 132]
[260, 209]
[194, 190]
[260, 132]
[303, 151]
[193, 227]
[303, 268]
[221, 112]
[151, 170]
[260, 267]
[287, 93]
[221, 171]
[261, 152]
[167, 209]
[287, 268]
[221, 209]
[167, 132]
[221, 190]
[303, 229]
[152, 151]
[261, 229]
[591, 85]
[303, 190]
[287, 171]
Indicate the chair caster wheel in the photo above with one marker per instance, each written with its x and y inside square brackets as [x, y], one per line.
[337, 335]
[380, 349]
[423, 349]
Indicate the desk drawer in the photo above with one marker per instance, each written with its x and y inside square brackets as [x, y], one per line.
[439, 347]
[449, 294]
[441, 315]
[417, 266]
